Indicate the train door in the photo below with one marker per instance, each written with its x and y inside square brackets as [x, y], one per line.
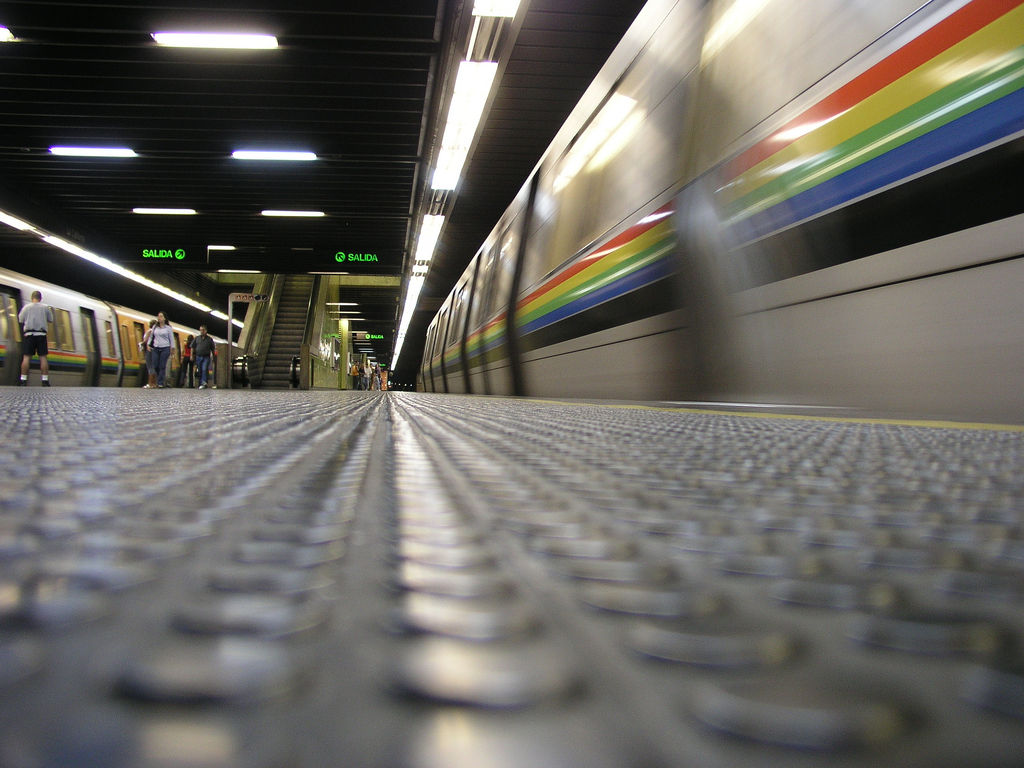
[91, 373]
[10, 335]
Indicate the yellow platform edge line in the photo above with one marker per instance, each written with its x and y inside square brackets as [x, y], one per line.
[926, 423]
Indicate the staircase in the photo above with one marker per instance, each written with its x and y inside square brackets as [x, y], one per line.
[289, 327]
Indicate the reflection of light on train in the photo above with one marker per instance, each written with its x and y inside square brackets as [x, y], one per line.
[810, 203]
[91, 342]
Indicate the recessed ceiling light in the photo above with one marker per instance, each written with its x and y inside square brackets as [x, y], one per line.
[166, 211]
[220, 247]
[308, 214]
[268, 154]
[214, 40]
[94, 151]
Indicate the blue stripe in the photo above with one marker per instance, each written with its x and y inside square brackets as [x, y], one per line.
[991, 123]
[641, 277]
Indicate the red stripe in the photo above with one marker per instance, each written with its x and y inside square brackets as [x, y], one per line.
[945, 34]
[618, 241]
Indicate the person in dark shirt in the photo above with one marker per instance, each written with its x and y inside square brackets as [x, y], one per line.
[202, 350]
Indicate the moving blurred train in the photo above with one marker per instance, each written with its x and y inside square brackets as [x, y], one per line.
[92, 343]
[769, 201]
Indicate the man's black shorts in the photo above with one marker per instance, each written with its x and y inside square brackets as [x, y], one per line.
[34, 345]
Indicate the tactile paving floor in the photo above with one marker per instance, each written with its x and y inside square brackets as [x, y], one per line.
[282, 579]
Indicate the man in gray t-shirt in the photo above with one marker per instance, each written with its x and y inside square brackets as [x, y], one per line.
[35, 319]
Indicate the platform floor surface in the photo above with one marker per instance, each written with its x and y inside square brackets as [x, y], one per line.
[281, 579]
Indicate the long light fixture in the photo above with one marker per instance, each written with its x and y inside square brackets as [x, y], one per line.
[165, 211]
[13, 221]
[430, 230]
[501, 8]
[273, 154]
[6, 36]
[220, 247]
[301, 214]
[472, 85]
[94, 151]
[215, 40]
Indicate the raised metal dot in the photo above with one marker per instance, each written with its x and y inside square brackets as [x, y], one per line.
[222, 670]
[452, 582]
[838, 595]
[285, 553]
[467, 556]
[650, 599]
[712, 644]
[826, 717]
[266, 578]
[931, 632]
[463, 672]
[468, 618]
[259, 615]
[95, 572]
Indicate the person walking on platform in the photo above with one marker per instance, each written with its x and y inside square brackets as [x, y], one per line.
[202, 350]
[353, 372]
[35, 318]
[375, 378]
[364, 377]
[186, 374]
[162, 339]
[146, 348]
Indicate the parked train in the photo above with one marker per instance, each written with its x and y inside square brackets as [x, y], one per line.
[91, 342]
[774, 202]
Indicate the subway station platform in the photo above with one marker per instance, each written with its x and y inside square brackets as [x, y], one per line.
[281, 579]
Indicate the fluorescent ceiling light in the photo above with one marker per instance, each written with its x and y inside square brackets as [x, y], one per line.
[239, 271]
[220, 247]
[165, 211]
[94, 151]
[6, 35]
[12, 221]
[472, 85]
[308, 214]
[341, 303]
[214, 40]
[430, 230]
[505, 8]
[266, 154]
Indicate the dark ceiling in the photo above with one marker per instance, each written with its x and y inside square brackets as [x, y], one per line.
[364, 86]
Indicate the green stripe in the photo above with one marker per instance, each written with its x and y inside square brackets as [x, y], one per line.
[944, 106]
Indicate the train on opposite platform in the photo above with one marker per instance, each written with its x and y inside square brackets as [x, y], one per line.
[91, 342]
[818, 204]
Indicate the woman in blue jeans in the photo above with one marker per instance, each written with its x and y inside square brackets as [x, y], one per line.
[162, 340]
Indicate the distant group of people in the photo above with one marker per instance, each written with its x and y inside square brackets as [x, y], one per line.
[368, 377]
[197, 355]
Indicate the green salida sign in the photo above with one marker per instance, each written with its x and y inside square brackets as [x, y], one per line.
[178, 254]
[343, 256]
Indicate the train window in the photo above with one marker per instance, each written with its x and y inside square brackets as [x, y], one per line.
[111, 347]
[127, 348]
[62, 318]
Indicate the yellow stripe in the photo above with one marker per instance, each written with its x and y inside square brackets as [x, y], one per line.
[601, 265]
[979, 51]
[925, 423]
